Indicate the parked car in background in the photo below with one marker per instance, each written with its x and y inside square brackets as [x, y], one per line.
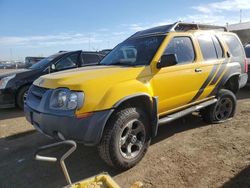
[105, 51]
[9, 65]
[14, 85]
[29, 61]
[247, 50]
[1, 65]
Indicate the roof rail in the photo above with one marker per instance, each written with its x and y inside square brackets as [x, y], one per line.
[177, 26]
[182, 26]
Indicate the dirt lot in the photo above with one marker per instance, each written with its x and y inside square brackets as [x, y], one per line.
[186, 153]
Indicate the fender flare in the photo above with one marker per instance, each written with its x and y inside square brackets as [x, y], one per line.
[153, 111]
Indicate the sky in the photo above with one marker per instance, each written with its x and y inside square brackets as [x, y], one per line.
[41, 28]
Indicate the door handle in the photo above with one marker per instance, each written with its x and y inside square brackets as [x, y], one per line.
[198, 70]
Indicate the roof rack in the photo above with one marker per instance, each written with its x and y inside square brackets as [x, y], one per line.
[182, 26]
[178, 26]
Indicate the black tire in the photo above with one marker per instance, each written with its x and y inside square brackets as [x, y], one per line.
[222, 110]
[21, 95]
[119, 135]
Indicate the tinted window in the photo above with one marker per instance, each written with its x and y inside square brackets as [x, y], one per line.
[45, 62]
[218, 48]
[90, 58]
[207, 47]
[247, 50]
[67, 62]
[183, 48]
[234, 45]
[134, 51]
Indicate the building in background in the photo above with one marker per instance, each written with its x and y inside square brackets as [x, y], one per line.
[242, 30]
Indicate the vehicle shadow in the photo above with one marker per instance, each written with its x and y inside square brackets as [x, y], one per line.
[186, 123]
[19, 169]
[244, 93]
[10, 113]
[241, 179]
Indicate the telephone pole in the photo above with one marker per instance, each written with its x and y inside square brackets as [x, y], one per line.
[240, 15]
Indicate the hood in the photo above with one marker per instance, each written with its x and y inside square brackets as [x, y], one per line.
[11, 72]
[76, 79]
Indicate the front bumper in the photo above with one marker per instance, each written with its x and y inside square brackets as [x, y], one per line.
[7, 98]
[87, 130]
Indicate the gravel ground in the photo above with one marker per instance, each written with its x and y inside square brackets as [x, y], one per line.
[186, 153]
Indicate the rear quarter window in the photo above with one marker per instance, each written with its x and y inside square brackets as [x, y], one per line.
[234, 45]
[207, 46]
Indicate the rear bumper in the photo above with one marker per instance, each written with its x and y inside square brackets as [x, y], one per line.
[249, 73]
[7, 98]
[243, 79]
[87, 130]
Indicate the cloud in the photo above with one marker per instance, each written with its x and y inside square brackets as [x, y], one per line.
[121, 33]
[49, 40]
[220, 12]
[214, 19]
[226, 5]
[142, 26]
[135, 27]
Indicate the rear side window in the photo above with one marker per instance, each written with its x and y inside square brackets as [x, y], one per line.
[247, 50]
[90, 58]
[67, 62]
[207, 47]
[234, 45]
[219, 50]
[183, 48]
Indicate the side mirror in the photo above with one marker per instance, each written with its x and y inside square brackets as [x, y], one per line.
[167, 60]
[53, 67]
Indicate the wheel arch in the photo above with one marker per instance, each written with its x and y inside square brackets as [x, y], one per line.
[144, 101]
[232, 83]
[18, 90]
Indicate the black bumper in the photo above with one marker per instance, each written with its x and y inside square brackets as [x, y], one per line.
[7, 98]
[87, 130]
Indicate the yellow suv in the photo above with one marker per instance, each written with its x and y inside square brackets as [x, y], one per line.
[153, 77]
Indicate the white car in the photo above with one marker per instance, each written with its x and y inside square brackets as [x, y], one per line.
[247, 50]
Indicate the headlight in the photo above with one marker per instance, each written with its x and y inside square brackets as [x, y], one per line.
[4, 81]
[64, 99]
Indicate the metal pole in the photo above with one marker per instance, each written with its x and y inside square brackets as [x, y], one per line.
[240, 15]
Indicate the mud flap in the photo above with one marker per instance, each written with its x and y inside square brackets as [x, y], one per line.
[154, 116]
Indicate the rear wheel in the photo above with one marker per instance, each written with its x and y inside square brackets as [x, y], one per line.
[21, 96]
[125, 139]
[222, 110]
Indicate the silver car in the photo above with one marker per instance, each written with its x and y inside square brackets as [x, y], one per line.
[247, 50]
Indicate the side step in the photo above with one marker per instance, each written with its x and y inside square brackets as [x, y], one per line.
[185, 112]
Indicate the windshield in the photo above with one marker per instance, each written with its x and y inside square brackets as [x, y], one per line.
[247, 50]
[44, 62]
[133, 52]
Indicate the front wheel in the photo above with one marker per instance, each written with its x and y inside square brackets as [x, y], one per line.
[125, 138]
[21, 96]
[222, 110]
